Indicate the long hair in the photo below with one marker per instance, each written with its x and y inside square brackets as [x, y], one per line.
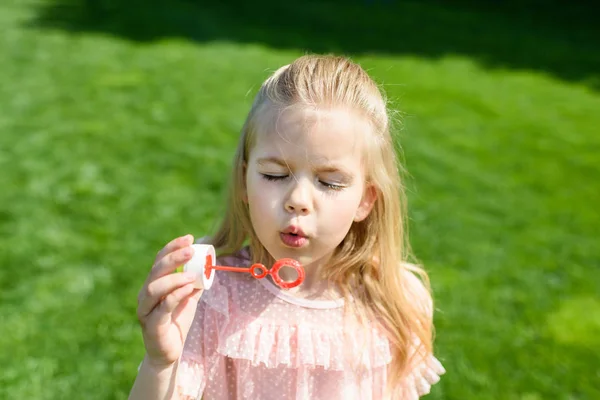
[373, 255]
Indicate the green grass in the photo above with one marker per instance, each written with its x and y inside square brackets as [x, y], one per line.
[117, 128]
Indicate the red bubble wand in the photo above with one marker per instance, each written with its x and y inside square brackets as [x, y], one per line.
[202, 263]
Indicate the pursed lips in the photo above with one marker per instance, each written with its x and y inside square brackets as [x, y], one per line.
[294, 230]
[293, 236]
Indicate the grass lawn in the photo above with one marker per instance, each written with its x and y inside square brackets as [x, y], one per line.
[118, 123]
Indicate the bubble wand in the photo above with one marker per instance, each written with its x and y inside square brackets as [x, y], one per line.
[203, 264]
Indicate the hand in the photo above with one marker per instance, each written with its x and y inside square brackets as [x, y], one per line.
[167, 303]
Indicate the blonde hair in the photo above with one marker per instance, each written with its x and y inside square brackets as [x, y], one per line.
[373, 255]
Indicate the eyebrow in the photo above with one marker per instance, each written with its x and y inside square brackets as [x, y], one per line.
[271, 160]
[325, 167]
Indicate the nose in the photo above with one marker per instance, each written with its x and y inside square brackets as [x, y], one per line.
[299, 200]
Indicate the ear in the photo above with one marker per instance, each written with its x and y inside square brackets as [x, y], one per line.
[244, 186]
[366, 203]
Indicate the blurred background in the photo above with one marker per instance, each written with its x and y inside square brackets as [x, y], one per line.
[118, 121]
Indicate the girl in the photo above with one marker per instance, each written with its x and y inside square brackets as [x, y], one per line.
[315, 178]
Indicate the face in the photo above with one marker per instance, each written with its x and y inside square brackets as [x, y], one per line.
[305, 184]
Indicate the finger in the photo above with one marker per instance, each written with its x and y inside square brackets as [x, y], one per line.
[152, 293]
[192, 298]
[171, 262]
[182, 241]
[174, 298]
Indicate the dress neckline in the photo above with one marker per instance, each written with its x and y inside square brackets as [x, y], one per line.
[281, 294]
[319, 304]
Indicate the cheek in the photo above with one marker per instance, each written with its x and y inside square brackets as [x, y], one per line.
[256, 187]
[261, 197]
[341, 209]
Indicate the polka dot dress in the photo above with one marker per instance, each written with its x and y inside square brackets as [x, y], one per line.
[251, 340]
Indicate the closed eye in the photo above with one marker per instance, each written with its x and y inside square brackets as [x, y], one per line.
[331, 186]
[327, 185]
[274, 177]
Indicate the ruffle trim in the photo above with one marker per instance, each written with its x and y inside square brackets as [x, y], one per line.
[261, 341]
[294, 346]
[190, 374]
[422, 378]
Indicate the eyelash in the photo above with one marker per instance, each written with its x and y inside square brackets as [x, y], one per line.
[275, 178]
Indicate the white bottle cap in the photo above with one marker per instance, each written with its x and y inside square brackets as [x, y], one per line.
[197, 263]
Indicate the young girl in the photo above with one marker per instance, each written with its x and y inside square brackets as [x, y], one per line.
[315, 178]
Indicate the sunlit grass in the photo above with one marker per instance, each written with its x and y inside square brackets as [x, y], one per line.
[110, 147]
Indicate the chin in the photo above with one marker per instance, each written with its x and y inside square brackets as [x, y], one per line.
[305, 255]
[299, 254]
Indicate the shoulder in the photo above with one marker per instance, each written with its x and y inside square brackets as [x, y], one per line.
[427, 369]
[240, 258]
[416, 287]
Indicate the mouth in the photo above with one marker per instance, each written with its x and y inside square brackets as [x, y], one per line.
[294, 230]
[293, 237]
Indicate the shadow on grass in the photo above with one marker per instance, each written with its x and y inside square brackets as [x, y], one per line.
[556, 37]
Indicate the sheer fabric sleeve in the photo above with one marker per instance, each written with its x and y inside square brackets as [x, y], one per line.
[427, 369]
[422, 377]
[200, 360]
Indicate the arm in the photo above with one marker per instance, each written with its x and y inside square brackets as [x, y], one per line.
[167, 305]
[155, 382]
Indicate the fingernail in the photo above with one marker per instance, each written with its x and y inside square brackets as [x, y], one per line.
[188, 252]
[188, 238]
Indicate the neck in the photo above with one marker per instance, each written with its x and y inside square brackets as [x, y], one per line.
[313, 286]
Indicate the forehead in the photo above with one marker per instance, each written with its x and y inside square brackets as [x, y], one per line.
[319, 136]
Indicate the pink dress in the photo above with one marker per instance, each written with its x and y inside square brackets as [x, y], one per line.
[251, 340]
